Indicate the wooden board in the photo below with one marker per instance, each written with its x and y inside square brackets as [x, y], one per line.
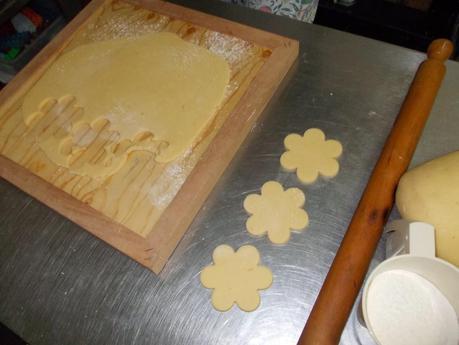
[145, 207]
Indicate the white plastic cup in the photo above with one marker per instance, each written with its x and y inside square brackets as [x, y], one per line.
[410, 249]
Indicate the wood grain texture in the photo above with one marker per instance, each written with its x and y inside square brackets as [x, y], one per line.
[344, 280]
[145, 207]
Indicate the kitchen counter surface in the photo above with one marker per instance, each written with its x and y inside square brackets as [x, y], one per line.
[60, 285]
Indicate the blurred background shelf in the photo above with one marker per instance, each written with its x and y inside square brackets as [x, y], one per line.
[26, 26]
[9, 8]
[8, 69]
[409, 23]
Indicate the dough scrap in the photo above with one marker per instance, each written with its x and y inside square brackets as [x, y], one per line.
[85, 149]
[236, 277]
[156, 83]
[430, 193]
[276, 212]
[311, 155]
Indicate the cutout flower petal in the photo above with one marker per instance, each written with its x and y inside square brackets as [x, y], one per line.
[271, 187]
[249, 256]
[333, 148]
[330, 169]
[282, 235]
[307, 173]
[249, 301]
[311, 155]
[222, 254]
[210, 275]
[252, 202]
[299, 219]
[276, 212]
[252, 225]
[289, 160]
[296, 195]
[222, 299]
[236, 277]
[292, 141]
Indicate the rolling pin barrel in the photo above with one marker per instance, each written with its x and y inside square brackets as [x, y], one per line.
[346, 275]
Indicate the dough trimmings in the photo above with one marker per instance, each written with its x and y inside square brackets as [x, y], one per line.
[311, 155]
[236, 277]
[276, 212]
[91, 149]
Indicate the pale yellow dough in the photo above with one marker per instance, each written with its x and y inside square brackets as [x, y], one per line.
[430, 193]
[157, 83]
[86, 149]
[276, 212]
[236, 277]
[311, 155]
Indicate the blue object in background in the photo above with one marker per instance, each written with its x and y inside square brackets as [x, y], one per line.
[17, 40]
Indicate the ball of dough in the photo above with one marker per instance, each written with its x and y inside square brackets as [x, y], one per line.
[430, 193]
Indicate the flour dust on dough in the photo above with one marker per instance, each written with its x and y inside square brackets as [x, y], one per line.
[157, 83]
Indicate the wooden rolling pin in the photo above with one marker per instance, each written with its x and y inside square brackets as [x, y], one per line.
[344, 280]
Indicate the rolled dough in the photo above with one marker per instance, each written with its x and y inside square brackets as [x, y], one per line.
[156, 83]
[430, 193]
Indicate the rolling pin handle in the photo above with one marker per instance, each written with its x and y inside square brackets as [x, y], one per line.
[440, 49]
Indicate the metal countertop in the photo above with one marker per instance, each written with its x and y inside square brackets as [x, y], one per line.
[60, 285]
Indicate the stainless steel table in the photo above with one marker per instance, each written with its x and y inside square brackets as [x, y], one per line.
[60, 285]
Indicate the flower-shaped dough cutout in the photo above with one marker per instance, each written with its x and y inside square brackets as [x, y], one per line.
[236, 277]
[311, 155]
[276, 211]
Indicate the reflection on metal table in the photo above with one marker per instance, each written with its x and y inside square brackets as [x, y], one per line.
[58, 284]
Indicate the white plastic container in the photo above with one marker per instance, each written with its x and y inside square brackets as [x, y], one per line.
[412, 297]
